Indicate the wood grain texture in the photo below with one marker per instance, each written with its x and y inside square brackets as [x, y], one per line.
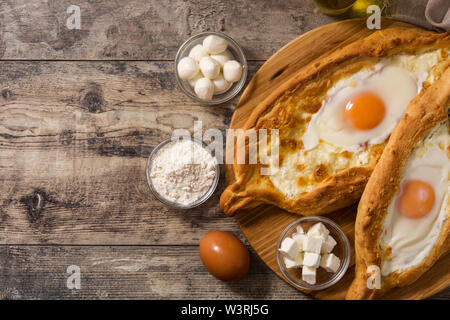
[75, 137]
[134, 272]
[147, 30]
[263, 225]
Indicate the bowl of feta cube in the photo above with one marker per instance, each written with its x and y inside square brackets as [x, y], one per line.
[210, 68]
[313, 253]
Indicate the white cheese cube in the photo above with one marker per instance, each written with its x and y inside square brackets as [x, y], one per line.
[330, 262]
[300, 230]
[312, 244]
[299, 258]
[328, 245]
[289, 263]
[322, 237]
[311, 259]
[309, 274]
[300, 238]
[289, 247]
[318, 230]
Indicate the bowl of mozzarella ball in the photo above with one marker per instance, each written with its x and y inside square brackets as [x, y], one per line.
[210, 68]
[313, 253]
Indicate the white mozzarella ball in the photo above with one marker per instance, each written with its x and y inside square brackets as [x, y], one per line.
[209, 67]
[232, 71]
[221, 58]
[187, 68]
[214, 44]
[220, 84]
[198, 52]
[204, 88]
[193, 81]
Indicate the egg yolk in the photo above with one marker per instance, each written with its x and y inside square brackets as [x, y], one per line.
[416, 199]
[365, 111]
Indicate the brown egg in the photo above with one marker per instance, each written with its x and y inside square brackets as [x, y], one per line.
[224, 255]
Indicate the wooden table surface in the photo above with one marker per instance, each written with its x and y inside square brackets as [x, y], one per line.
[80, 111]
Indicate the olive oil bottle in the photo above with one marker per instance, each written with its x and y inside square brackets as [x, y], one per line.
[352, 8]
[359, 8]
[334, 7]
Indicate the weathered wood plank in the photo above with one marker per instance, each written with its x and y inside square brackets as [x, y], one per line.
[147, 30]
[132, 272]
[74, 138]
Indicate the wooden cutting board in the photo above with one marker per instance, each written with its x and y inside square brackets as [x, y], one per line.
[263, 225]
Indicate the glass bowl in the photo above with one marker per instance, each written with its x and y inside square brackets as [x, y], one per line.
[341, 250]
[160, 197]
[233, 48]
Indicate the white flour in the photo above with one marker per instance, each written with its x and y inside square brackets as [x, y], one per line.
[182, 171]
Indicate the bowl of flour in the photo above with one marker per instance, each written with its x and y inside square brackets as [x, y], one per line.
[182, 173]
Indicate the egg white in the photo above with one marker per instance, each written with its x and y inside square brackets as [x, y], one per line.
[411, 240]
[396, 80]
[284, 177]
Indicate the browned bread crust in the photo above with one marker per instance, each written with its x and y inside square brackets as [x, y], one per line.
[426, 111]
[345, 187]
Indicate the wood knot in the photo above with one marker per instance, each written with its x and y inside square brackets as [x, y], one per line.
[66, 137]
[35, 204]
[93, 101]
[6, 94]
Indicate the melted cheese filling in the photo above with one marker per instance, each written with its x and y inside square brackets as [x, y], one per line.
[295, 174]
